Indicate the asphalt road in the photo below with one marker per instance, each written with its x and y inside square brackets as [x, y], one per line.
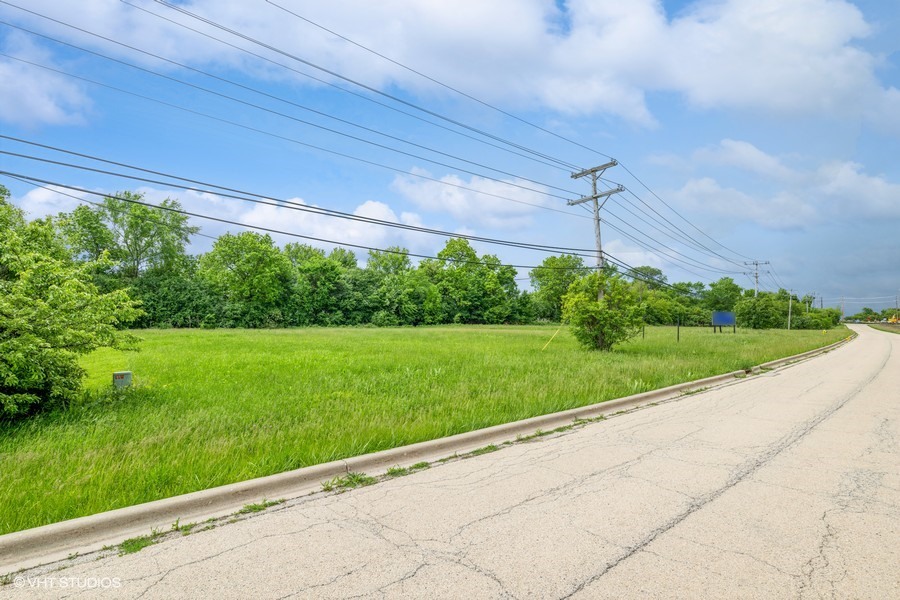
[784, 485]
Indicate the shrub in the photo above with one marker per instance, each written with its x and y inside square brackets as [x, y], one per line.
[601, 324]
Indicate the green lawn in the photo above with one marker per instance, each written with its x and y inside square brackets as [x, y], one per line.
[889, 327]
[215, 407]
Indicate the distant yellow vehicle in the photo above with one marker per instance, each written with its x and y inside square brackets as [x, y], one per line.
[894, 319]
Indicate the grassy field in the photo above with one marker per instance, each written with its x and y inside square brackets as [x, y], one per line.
[889, 327]
[215, 407]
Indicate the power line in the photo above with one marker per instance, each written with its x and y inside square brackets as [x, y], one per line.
[347, 91]
[260, 199]
[493, 107]
[333, 131]
[350, 80]
[264, 200]
[288, 139]
[38, 180]
[43, 183]
[704, 266]
[297, 119]
[106, 207]
[428, 77]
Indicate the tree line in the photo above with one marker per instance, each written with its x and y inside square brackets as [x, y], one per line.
[247, 280]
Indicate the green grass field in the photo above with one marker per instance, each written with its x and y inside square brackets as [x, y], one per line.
[889, 327]
[215, 407]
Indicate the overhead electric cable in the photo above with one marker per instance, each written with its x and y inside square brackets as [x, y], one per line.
[289, 139]
[328, 129]
[280, 203]
[704, 266]
[38, 180]
[286, 101]
[500, 110]
[104, 206]
[360, 84]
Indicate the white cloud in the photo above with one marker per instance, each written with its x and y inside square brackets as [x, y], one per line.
[780, 211]
[745, 156]
[32, 96]
[483, 201]
[800, 198]
[797, 57]
[42, 202]
[631, 254]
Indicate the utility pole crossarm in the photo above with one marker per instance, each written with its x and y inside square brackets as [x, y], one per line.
[599, 170]
[583, 199]
[755, 273]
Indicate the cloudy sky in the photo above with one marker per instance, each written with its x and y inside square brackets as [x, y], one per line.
[765, 130]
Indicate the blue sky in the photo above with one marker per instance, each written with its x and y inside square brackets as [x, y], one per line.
[773, 127]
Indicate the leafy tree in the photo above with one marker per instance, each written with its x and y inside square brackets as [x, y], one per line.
[86, 233]
[146, 237]
[301, 253]
[177, 299]
[50, 313]
[651, 277]
[322, 290]
[551, 280]
[343, 257]
[601, 324]
[252, 274]
[866, 314]
[659, 309]
[394, 260]
[762, 312]
[722, 294]
[472, 289]
[135, 236]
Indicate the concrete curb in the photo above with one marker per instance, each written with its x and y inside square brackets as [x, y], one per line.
[57, 541]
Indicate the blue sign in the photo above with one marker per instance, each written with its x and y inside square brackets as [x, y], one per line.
[722, 318]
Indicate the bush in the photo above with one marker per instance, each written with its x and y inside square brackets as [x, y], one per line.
[50, 312]
[762, 312]
[601, 324]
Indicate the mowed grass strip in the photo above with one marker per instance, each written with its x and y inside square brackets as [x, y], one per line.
[889, 327]
[215, 407]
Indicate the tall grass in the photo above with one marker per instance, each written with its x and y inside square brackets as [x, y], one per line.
[215, 407]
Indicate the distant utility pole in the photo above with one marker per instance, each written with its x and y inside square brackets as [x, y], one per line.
[755, 264]
[595, 198]
[811, 302]
[842, 306]
[790, 306]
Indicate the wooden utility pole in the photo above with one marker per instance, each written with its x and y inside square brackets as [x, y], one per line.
[595, 197]
[755, 273]
[790, 306]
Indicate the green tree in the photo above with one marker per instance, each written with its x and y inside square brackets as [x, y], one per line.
[390, 262]
[722, 294]
[177, 299]
[135, 236]
[50, 313]
[343, 257]
[760, 312]
[472, 289]
[252, 274]
[551, 281]
[146, 237]
[651, 277]
[301, 253]
[86, 234]
[659, 309]
[601, 324]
